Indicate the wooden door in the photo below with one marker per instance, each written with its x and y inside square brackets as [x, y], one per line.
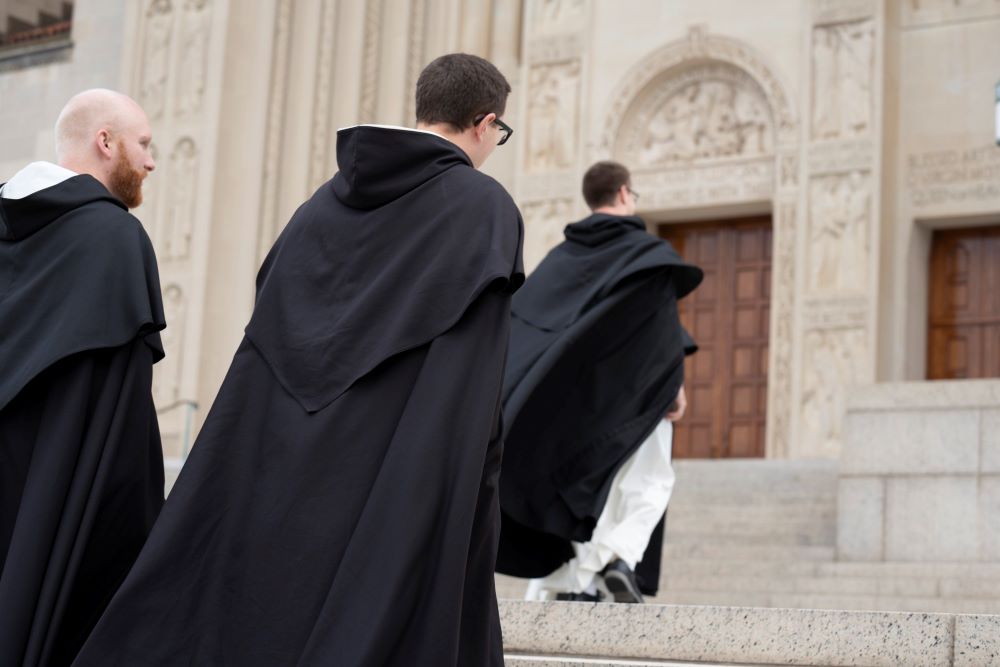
[963, 339]
[728, 316]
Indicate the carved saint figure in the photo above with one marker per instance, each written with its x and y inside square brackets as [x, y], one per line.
[156, 57]
[193, 56]
[552, 116]
[179, 220]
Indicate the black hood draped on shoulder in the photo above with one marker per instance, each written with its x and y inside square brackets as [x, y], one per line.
[77, 273]
[339, 506]
[596, 357]
[329, 308]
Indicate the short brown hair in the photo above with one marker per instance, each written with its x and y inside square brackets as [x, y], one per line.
[602, 182]
[457, 87]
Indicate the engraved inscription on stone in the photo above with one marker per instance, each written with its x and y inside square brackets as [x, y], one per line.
[156, 57]
[917, 12]
[955, 177]
[744, 180]
[544, 222]
[193, 56]
[839, 156]
[703, 112]
[843, 67]
[839, 219]
[833, 361]
[839, 11]
[842, 313]
[554, 90]
[175, 235]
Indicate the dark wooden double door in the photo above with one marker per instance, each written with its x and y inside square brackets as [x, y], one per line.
[728, 316]
[963, 338]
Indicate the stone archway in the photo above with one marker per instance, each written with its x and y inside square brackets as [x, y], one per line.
[703, 122]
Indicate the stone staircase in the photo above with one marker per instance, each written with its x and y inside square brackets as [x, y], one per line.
[762, 533]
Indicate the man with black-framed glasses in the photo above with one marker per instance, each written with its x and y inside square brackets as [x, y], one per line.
[340, 504]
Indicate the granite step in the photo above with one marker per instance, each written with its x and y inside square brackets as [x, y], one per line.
[612, 634]
[511, 660]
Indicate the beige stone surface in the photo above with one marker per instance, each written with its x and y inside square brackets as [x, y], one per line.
[932, 519]
[728, 634]
[861, 518]
[911, 442]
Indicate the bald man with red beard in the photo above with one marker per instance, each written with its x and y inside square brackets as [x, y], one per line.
[81, 468]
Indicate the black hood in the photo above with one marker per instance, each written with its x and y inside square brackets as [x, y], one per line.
[378, 164]
[601, 227]
[20, 218]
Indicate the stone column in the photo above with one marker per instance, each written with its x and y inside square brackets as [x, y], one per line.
[837, 315]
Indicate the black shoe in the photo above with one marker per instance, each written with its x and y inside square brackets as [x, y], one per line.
[579, 597]
[620, 580]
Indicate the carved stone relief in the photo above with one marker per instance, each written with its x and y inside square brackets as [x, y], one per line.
[553, 115]
[839, 220]
[544, 222]
[843, 66]
[736, 63]
[833, 361]
[557, 15]
[700, 112]
[175, 233]
[193, 56]
[155, 69]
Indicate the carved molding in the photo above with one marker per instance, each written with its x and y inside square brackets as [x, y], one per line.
[698, 47]
[554, 48]
[415, 57]
[319, 148]
[782, 329]
[553, 116]
[370, 61]
[269, 222]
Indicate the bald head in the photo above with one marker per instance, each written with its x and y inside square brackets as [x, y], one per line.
[102, 132]
[89, 112]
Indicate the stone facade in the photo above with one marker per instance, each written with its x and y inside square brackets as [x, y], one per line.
[859, 125]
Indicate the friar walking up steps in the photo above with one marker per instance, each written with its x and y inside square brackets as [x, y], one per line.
[81, 468]
[339, 506]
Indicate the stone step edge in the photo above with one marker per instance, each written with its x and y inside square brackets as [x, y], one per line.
[749, 636]
[523, 660]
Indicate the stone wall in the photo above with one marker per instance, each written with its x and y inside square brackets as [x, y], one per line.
[920, 473]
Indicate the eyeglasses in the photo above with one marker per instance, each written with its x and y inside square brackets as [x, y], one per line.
[504, 127]
[635, 195]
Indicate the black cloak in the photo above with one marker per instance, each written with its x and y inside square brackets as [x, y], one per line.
[81, 469]
[339, 506]
[596, 358]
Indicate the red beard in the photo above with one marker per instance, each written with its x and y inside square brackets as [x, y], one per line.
[126, 182]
